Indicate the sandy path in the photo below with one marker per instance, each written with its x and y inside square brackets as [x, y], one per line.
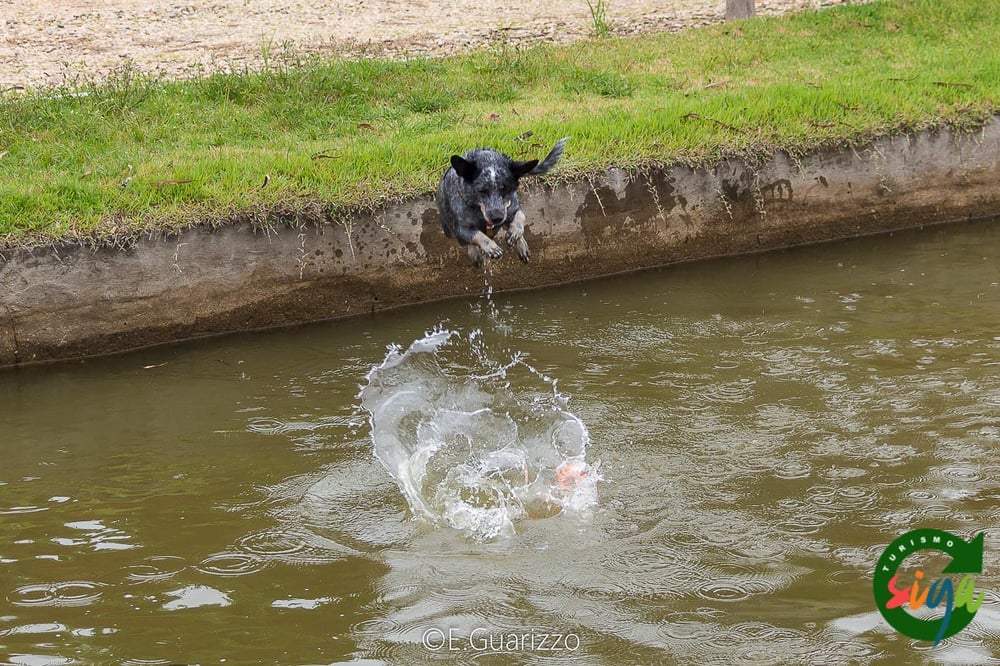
[46, 42]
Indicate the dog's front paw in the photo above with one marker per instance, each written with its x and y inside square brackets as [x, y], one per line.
[523, 253]
[476, 256]
[492, 250]
[514, 237]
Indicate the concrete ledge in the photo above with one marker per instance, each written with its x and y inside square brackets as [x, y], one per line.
[68, 301]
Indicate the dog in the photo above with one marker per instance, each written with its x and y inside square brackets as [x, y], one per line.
[477, 197]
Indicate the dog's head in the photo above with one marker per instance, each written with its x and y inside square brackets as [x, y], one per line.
[490, 179]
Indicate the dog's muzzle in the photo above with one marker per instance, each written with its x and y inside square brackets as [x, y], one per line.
[490, 224]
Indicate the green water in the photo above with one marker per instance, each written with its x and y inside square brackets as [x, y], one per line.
[764, 427]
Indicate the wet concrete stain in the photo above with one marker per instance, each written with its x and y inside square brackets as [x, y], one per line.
[432, 239]
[66, 302]
[777, 192]
[626, 208]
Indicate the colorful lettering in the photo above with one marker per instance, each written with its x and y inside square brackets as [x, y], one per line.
[916, 600]
[941, 592]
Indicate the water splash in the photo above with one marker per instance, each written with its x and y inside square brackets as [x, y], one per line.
[473, 442]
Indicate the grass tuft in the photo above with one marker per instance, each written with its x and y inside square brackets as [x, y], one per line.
[599, 17]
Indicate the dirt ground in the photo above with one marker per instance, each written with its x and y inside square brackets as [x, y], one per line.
[46, 43]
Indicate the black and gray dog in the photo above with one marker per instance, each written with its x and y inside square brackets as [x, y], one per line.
[478, 196]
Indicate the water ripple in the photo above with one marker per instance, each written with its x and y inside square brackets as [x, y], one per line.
[689, 630]
[63, 594]
[921, 494]
[25, 659]
[156, 568]
[30, 508]
[290, 545]
[736, 582]
[808, 524]
[792, 469]
[273, 544]
[273, 426]
[730, 589]
[378, 627]
[42, 628]
[961, 473]
[600, 589]
[231, 564]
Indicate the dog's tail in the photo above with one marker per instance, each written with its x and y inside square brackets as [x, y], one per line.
[550, 160]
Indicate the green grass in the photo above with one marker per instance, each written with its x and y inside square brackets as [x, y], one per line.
[599, 17]
[338, 136]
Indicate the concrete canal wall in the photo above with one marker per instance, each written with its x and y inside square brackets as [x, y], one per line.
[69, 301]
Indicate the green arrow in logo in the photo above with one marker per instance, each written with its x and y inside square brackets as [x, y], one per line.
[967, 558]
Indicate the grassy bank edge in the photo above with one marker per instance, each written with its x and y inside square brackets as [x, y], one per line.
[321, 141]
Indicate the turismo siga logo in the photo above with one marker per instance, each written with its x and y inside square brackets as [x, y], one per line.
[895, 591]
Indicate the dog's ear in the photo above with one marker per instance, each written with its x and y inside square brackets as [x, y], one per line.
[523, 168]
[464, 168]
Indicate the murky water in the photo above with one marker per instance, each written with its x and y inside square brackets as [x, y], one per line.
[757, 431]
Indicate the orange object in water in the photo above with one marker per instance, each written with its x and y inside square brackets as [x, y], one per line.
[570, 473]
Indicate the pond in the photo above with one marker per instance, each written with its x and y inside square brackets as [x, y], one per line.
[700, 464]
